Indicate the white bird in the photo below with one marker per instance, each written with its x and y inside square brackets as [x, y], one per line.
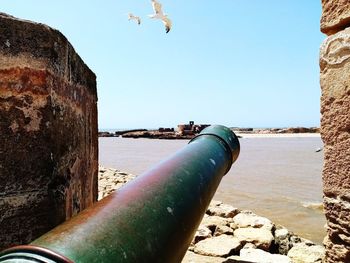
[318, 149]
[158, 14]
[136, 18]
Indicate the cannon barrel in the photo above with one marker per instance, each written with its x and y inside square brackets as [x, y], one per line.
[151, 219]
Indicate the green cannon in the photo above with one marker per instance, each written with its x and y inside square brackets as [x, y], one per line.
[151, 219]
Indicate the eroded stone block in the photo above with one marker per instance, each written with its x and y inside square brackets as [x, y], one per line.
[335, 131]
[48, 131]
[335, 16]
[335, 108]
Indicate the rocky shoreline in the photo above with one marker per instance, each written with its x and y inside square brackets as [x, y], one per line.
[228, 234]
[171, 135]
[150, 134]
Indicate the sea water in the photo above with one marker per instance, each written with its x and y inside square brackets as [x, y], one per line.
[279, 178]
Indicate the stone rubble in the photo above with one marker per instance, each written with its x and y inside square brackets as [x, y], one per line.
[252, 254]
[227, 234]
[110, 179]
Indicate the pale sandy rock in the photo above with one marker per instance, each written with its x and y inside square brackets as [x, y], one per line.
[110, 180]
[223, 230]
[295, 240]
[233, 226]
[249, 219]
[260, 237]
[248, 246]
[261, 256]
[222, 210]
[281, 233]
[282, 241]
[191, 247]
[214, 221]
[234, 259]
[191, 257]
[214, 203]
[306, 241]
[202, 233]
[101, 169]
[335, 15]
[219, 246]
[302, 253]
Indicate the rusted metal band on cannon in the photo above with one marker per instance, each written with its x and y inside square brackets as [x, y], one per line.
[154, 217]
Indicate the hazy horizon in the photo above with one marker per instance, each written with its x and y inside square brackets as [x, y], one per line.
[175, 127]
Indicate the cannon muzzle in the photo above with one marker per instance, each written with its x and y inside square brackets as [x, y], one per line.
[151, 219]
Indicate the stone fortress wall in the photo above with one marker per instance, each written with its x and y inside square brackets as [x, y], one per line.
[335, 126]
[48, 129]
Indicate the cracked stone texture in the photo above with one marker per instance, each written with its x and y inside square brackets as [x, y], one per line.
[249, 219]
[191, 257]
[224, 210]
[335, 132]
[260, 237]
[48, 127]
[335, 16]
[260, 256]
[202, 233]
[302, 253]
[219, 246]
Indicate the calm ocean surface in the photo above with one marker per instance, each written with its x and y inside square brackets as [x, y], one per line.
[279, 178]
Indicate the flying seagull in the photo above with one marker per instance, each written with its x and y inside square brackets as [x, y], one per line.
[158, 14]
[136, 18]
[318, 149]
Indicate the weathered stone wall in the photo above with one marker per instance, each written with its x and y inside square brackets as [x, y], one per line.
[335, 16]
[48, 131]
[335, 126]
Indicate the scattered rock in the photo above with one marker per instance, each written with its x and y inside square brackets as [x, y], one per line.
[191, 257]
[249, 219]
[260, 237]
[281, 233]
[110, 180]
[282, 241]
[202, 233]
[249, 245]
[222, 210]
[236, 259]
[223, 230]
[261, 256]
[156, 134]
[276, 130]
[294, 240]
[213, 222]
[304, 253]
[214, 203]
[106, 134]
[233, 226]
[300, 130]
[220, 246]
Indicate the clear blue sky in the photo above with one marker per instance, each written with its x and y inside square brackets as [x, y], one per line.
[232, 62]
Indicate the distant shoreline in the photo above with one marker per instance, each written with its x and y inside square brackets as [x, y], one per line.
[277, 135]
[245, 135]
[171, 134]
